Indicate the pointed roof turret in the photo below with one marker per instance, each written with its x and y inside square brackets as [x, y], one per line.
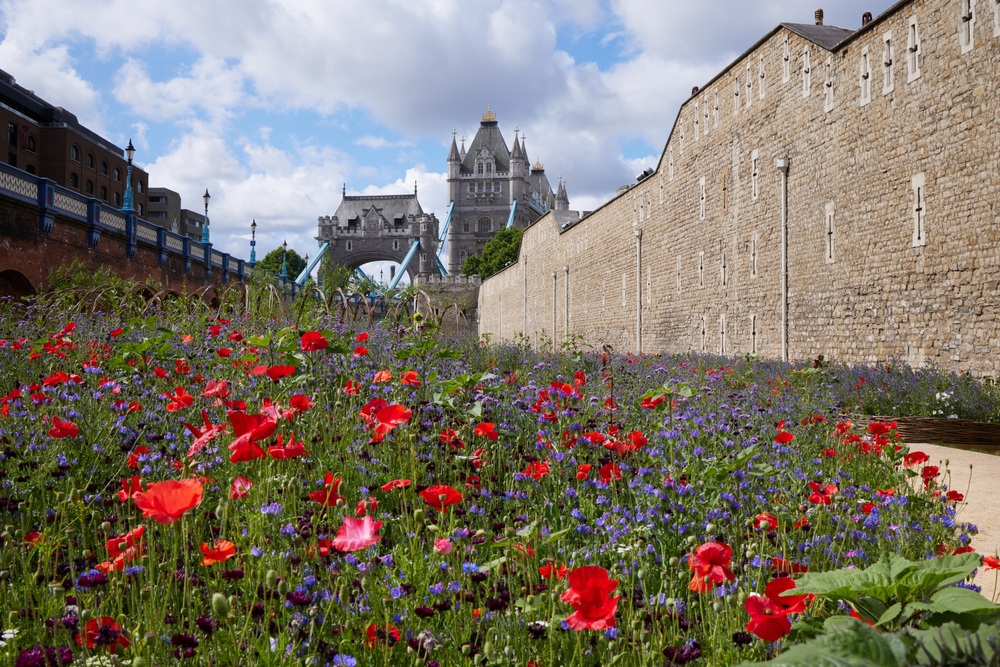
[562, 199]
[515, 152]
[462, 152]
[453, 155]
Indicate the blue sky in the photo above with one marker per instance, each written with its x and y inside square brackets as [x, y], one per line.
[273, 104]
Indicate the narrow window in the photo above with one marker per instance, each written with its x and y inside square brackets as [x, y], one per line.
[996, 18]
[636, 211]
[649, 284]
[786, 62]
[138, 185]
[722, 334]
[680, 123]
[118, 175]
[90, 188]
[753, 334]
[624, 302]
[725, 191]
[865, 77]
[74, 153]
[678, 273]
[753, 256]
[829, 233]
[395, 244]
[118, 199]
[701, 200]
[913, 52]
[966, 27]
[919, 210]
[736, 94]
[753, 175]
[479, 168]
[104, 193]
[472, 188]
[74, 180]
[90, 160]
[670, 162]
[489, 167]
[661, 187]
[32, 144]
[701, 269]
[888, 56]
[760, 76]
[104, 168]
[697, 120]
[723, 268]
[704, 125]
[12, 134]
[485, 225]
[465, 227]
[806, 73]
[141, 210]
[828, 87]
[715, 121]
[704, 335]
[749, 86]
[350, 246]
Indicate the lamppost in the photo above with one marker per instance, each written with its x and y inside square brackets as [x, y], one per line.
[253, 242]
[204, 229]
[284, 259]
[127, 202]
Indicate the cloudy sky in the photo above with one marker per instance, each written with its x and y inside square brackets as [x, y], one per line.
[274, 104]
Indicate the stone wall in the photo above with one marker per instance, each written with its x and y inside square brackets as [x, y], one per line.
[455, 300]
[864, 284]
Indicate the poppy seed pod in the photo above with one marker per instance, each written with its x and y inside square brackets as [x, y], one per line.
[271, 578]
[85, 615]
[220, 605]
[283, 587]
[710, 528]
[418, 515]
[293, 486]
[138, 661]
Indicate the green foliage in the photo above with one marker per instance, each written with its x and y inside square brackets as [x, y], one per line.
[272, 262]
[498, 252]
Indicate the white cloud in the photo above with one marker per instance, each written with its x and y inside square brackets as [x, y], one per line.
[380, 142]
[211, 86]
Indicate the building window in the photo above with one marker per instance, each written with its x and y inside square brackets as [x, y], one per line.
[140, 210]
[715, 120]
[722, 334]
[489, 168]
[74, 153]
[996, 18]
[350, 246]
[865, 78]
[12, 134]
[90, 188]
[701, 269]
[678, 273]
[90, 160]
[118, 175]
[828, 87]
[888, 56]
[104, 193]
[967, 26]
[697, 120]
[465, 227]
[138, 186]
[760, 76]
[753, 256]
[724, 270]
[749, 85]
[753, 175]
[913, 52]
[118, 199]
[472, 188]
[32, 144]
[104, 168]
[680, 124]
[786, 62]
[484, 225]
[479, 168]
[725, 191]
[704, 335]
[670, 162]
[753, 334]
[74, 181]
[806, 73]
[919, 210]
[395, 244]
[701, 199]
[829, 232]
[12, 159]
[736, 94]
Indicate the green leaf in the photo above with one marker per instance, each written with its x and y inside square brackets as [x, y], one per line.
[869, 608]
[528, 530]
[493, 563]
[889, 614]
[846, 643]
[953, 645]
[957, 600]
[926, 576]
[556, 535]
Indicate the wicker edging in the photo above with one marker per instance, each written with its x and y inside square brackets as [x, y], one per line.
[958, 433]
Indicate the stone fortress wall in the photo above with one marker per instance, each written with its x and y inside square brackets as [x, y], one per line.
[890, 141]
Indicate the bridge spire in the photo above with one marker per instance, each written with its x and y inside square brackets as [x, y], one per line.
[127, 204]
[204, 229]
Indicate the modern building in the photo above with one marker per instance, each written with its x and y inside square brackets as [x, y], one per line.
[165, 208]
[50, 142]
[485, 181]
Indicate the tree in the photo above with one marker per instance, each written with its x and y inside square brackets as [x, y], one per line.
[272, 263]
[498, 252]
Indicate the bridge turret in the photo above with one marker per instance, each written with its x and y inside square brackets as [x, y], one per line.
[427, 230]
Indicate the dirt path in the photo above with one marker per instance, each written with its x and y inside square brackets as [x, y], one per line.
[982, 499]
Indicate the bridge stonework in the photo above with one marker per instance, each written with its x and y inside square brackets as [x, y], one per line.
[43, 226]
[878, 150]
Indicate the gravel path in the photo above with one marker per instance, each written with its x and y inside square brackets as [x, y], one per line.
[982, 500]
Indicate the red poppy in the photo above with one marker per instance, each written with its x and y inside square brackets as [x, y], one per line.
[370, 408]
[410, 378]
[784, 437]
[365, 506]
[300, 403]
[593, 438]
[360, 351]
[583, 470]
[822, 495]
[387, 634]
[551, 570]
[710, 563]
[33, 538]
[536, 470]
[202, 438]
[389, 418]
[991, 562]
[105, 629]
[361, 337]
[133, 458]
[486, 429]
[248, 430]
[382, 376]
[130, 539]
[179, 400]
[396, 484]
[352, 389]
[763, 518]
[278, 372]
[289, 450]
[313, 341]
[130, 486]
[357, 534]
[61, 429]
[222, 551]
[223, 352]
[115, 333]
[609, 471]
[329, 496]
[885, 493]
[450, 438]
[240, 487]
[441, 496]
[652, 402]
[928, 473]
[915, 458]
[166, 502]
[955, 497]
[473, 482]
[801, 523]
[881, 428]
[782, 565]
[790, 604]
[767, 618]
[829, 452]
[589, 588]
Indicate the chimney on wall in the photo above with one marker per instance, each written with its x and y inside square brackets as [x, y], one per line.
[819, 17]
[694, 90]
[866, 18]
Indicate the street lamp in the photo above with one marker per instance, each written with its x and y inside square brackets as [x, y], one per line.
[253, 242]
[204, 229]
[284, 259]
[127, 202]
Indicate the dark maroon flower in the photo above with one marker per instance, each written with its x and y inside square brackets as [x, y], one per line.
[423, 612]
[297, 599]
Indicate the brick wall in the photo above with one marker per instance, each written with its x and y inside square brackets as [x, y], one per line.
[881, 294]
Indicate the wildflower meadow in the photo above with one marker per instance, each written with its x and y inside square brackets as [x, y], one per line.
[207, 487]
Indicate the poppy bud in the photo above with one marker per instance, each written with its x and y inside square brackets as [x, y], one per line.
[717, 607]
[74, 496]
[751, 553]
[432, 528]
[146, 594]
[366, 613]
[13, 618]
[741, 597]
[641, 574]
[105, 526]
[508, 651]
[692, 539]
[222, 510]
[283, 587]
[292, 486]
[364, 583]
[220, 605]
[710, 528]
[644, 636]
[6, 536]
[418, 515]
[271, 578]
[86, 615]
[138, 662]
[636, 624]
[674, 561]
[466, 650]
[488, 649]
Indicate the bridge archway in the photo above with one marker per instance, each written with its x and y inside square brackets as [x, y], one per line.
[358, 258]
[15, 284]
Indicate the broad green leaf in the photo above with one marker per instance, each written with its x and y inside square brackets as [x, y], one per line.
[869, 608]
[556, 535]
[957, 600]
[953, 645]
[528, 530]
[889, 614]
[497, 562]
[926, 576]
[846, 643]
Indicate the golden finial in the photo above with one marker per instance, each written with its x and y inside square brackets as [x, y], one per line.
[489, 116]
[538, 166]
